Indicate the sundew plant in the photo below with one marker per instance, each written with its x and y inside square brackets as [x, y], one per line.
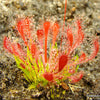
[56, 64]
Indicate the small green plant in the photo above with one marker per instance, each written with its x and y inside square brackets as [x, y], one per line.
[55, 65]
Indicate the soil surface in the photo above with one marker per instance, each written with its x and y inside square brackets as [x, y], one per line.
[13, 86]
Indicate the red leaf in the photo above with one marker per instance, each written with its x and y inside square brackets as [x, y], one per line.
[70, 36]
[33, 49]
[22, 65]
[46, 27]
[76, 78]
[79, 39]
[15, 50]
[80, 32]
[55, 31]
[21, 51]
[40, 34]
[96, 46]
[48, 76]
[96, 49]
[7, 44]
[24, 29]
[62, 62]
[82, 57]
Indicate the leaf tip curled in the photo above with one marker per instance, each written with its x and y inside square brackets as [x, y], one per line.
[96, 50]
[76, 78]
